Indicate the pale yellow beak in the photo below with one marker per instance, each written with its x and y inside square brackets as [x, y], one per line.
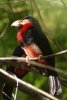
[16, 23]
[20, 22]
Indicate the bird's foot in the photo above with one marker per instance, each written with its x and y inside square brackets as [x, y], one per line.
[27, 60]
[40, 57]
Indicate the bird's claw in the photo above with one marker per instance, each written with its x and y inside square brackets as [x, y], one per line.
[28, 60]
[40, 57]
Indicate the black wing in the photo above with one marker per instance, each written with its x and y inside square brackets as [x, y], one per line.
[42, 41]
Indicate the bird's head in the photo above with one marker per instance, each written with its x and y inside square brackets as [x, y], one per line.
[20, 23]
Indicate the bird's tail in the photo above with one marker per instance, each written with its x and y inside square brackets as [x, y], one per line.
[55, 85]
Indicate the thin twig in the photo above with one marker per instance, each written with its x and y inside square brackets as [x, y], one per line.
[17, 1]
[8, 77]
[56, 54]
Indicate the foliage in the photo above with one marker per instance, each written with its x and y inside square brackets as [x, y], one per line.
[54, 15]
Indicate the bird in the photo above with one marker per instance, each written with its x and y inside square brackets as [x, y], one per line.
[34, 43]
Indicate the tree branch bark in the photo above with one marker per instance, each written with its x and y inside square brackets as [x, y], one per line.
[18, 61]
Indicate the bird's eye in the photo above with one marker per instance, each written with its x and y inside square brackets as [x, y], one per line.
[25, 21]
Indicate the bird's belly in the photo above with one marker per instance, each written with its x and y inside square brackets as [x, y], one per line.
[32, 50]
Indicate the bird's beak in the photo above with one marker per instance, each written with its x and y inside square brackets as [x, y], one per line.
[11, 24]
[16, 23]
[20, 22]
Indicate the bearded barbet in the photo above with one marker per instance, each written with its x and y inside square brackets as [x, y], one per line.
[34, 43]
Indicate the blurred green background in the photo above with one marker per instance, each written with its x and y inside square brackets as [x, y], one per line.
[53, 14]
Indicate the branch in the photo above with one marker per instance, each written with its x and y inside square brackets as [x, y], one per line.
[13, 79]
[18, 61]
[56, 54]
